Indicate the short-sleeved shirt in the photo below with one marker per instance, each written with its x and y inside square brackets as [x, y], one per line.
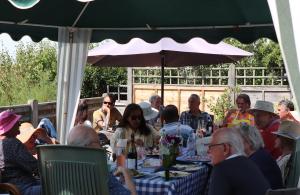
[269, 138]
[236, 118]
[186, 118]
[99, 115]
[125, 133]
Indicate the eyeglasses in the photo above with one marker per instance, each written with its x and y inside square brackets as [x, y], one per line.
[109, 103]
[134, 118]
[210, 146]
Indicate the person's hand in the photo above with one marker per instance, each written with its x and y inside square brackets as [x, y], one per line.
[231, 111]
[42, 135]
[119, 171]
[106, 109]
[201, 132]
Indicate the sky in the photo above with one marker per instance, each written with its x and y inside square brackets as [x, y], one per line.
[6, 43]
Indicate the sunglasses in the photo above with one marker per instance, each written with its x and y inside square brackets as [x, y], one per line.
[134, 118]
[109, 103]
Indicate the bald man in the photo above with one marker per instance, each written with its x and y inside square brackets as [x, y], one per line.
[87, 137]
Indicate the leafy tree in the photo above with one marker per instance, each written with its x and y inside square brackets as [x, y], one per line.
[96, 79]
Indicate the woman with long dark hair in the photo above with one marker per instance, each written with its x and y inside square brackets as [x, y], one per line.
[133, 121]
[82, 114]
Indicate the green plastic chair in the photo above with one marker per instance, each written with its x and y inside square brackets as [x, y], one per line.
[287, 191]
[72, 170]
[294, 169]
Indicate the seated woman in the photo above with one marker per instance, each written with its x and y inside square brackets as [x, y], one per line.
[17, 165]
[31, 137]
[133, 121]
[287, 133]
[254, 149]
[82, 114]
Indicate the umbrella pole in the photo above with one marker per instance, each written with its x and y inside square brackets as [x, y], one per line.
[162, 80]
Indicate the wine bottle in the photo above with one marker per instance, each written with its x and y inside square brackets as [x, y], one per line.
[131, 154]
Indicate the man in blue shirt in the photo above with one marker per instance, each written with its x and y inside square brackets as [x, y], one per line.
[81, 135]
[172, 126]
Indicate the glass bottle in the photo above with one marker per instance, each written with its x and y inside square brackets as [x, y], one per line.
[131, 154]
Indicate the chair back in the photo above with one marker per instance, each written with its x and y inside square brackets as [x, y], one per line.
[294, 167]
[287, 191]
[72, 170]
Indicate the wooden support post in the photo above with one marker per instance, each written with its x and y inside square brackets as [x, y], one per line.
[34, 112]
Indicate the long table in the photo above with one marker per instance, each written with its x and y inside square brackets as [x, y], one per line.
[194, 183]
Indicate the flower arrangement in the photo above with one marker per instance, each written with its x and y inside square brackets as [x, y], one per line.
[168, 143]
[169, 150]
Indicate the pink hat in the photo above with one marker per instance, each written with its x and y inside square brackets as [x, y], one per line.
[7, 120]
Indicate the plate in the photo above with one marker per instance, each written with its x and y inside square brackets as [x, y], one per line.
[187, 167]
[174, 174]
[135, 173]
[194, 158]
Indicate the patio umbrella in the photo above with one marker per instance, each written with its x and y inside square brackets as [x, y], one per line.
[164, 53]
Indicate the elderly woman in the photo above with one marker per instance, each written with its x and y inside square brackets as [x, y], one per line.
[16, 163]
[133, 121]
[254, 149]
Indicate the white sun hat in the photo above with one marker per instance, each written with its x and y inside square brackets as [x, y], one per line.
[148, 111]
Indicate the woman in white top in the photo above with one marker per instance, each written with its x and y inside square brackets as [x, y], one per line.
[133, 121]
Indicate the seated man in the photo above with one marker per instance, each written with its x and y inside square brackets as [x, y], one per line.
[84, 136]
[194, 116]
[172, 126]
[233, 173]
[267, 122]
[240, 115]
[107, 115]
[155, 101]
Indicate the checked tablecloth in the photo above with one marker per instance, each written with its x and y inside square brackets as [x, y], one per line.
[189, 185]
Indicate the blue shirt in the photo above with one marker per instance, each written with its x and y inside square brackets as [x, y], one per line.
[115, 187]
[175, 127]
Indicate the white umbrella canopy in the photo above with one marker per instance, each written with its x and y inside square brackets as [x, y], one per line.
[138, 53]
[164, 53]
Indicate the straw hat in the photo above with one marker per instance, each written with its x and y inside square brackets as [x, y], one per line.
[26, 131]
[148, 111]
[7, 120]
[288, 129]
[263, 106]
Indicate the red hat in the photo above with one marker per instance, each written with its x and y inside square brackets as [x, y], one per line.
[7, 120]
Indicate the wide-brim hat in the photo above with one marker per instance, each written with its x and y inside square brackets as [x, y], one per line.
[265, 106]
[26, 131]
[288, 129]
[8, 119]
[148, 112]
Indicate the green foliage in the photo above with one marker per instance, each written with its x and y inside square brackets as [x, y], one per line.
[96, 79]
[266, 53]
[223, 103]
[32, 75]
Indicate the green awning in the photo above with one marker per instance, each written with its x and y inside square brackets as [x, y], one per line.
[181, 20]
